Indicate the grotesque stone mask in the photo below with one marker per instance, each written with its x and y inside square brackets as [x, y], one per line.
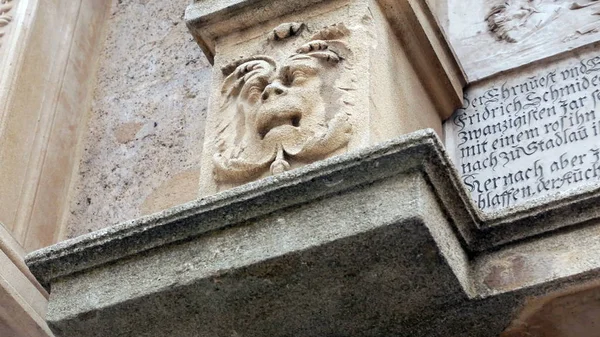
[274, 113]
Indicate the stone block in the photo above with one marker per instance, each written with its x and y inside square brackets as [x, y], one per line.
[296, 82]
[492, 37]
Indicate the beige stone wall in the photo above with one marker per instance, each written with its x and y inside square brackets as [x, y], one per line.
[146, 126]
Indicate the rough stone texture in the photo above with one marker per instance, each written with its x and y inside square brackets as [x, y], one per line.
[493, 36]
[370, 243]
[147, 120]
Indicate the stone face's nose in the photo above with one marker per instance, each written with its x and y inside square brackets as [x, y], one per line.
[273, 89]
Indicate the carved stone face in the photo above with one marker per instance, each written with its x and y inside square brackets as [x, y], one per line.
[276, 113]
[287, 100]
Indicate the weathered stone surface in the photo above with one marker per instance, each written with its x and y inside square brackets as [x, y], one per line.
[572, 312]
[528, 137]
[494, 36]
[147, 119]
[376, 242]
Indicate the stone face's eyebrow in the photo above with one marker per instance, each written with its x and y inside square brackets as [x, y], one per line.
[298, 57]
[247, 71]
[232, 66]
[306, 64]
[309, 67]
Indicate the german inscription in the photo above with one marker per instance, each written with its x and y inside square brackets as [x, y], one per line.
[522, 138]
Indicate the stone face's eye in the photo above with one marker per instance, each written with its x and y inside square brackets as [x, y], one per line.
[287, 77]
[252, 78]
[253, 89]
[297, 74]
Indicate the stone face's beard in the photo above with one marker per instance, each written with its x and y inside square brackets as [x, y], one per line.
[288, 125]
[290, 128]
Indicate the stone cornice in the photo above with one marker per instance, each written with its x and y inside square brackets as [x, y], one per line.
[417, 152]
[210, 19]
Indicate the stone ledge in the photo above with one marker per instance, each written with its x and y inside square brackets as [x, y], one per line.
[420, 151]
[318, 249]
[239, 204]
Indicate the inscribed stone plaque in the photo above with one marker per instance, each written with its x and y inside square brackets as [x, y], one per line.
[529, 134]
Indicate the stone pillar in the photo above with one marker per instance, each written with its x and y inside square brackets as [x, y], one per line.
[297, 82]
[47, 66]
[48, 50]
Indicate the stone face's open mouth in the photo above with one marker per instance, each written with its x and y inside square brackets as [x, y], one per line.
[273, 121]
